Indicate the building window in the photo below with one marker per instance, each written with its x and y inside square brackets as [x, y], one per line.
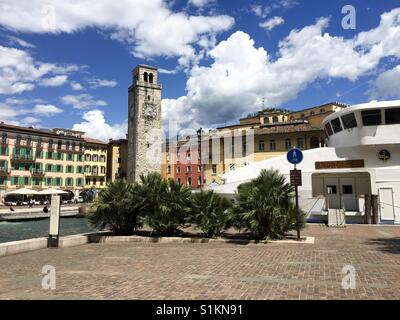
[266, 120]
[178, 169]
[272, 145]
[189, 169]
[328, 129]
[4, 138]
[189, 181]
[199, 181]
[288, 144]
[169, 170]
[103, 170]
[371, 117]
[179, 181]
[300, 143]
[312, 113]
[70, 157]
[261, 146]
[151, 78]
[198, 168]
[275, 119]
[214, 169]
[322, 110]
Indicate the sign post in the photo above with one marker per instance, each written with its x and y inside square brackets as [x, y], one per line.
[52, 241]
[295, 156]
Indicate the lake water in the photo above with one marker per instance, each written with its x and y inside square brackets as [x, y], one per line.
[12, 231]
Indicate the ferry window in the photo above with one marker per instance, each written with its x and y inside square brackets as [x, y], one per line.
[349, 121]
[371, 117]
[336, 125]
[392, 116]
[331, 189]
[328, 129]
[347, 189]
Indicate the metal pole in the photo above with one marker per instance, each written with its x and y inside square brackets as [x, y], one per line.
[297, 209]
[297, 213]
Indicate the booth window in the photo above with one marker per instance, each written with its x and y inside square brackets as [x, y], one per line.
[349, 121]
[392, 116]
[371, 117]
[336, 125]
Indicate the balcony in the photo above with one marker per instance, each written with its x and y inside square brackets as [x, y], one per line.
[37, 172]
[22, 158]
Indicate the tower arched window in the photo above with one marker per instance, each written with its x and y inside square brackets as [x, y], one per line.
[275, 119]
[151, 78]
[145, 77]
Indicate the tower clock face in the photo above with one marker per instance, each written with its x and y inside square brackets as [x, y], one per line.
[149, 111]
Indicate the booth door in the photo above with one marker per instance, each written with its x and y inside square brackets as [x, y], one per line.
[348, 193]
[332, 193]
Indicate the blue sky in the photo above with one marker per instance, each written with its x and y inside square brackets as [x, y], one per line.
[68, 63]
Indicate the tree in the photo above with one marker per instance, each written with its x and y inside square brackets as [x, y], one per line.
[116, 207]
[210, 212]
[165, 203]
[265, 205]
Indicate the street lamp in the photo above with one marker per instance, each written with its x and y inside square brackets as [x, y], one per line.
[199, 132]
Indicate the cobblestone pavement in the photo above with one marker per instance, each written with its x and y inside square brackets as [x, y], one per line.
[215, 271]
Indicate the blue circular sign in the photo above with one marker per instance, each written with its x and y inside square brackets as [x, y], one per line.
[294, 156]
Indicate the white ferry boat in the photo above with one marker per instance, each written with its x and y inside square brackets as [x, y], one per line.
[361, 160]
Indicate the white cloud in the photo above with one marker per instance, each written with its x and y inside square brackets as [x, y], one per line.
[200, 3]
[387, 85]
[18, 41]
[241, 75]
[272, 23]
[82, 101]
[46, 110]
[29, 121]
[56, 81]
[19, 72]
[261, 11]
[96, 83]
[76, 86]
[150, 28]
[95, 126]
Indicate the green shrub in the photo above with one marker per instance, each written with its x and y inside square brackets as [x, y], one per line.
[165, 203]
[209, 212]
[265, 206]
[115, 208]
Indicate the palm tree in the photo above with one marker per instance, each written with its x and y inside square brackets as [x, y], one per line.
[116, 208]
[165, 203]
[210, 212]
[265, 206]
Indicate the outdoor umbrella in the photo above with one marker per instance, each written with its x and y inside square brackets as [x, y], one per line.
[23, 191]
[52, 191]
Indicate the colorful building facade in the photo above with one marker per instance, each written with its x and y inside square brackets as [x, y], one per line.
[95, 163]
[117, 159]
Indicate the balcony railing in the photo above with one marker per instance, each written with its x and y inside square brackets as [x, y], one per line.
[23, 158]
[37, 172]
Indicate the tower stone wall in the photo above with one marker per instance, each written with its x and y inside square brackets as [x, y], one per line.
[144, 123]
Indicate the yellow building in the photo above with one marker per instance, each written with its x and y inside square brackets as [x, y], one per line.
[95, 163]
[40, 159]
[264, 135]
[117, 159]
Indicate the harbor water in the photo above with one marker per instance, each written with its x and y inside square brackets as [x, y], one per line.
[12, 231]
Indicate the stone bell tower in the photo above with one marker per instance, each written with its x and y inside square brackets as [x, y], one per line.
[144, 123]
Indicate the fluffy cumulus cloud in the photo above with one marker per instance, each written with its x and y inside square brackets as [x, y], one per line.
[82, 101]
[19, 72]
[76, 86]
[241, 74]
[150, 27]
[95, 126]
[387, 85]
[272, 23]
[200, 3]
